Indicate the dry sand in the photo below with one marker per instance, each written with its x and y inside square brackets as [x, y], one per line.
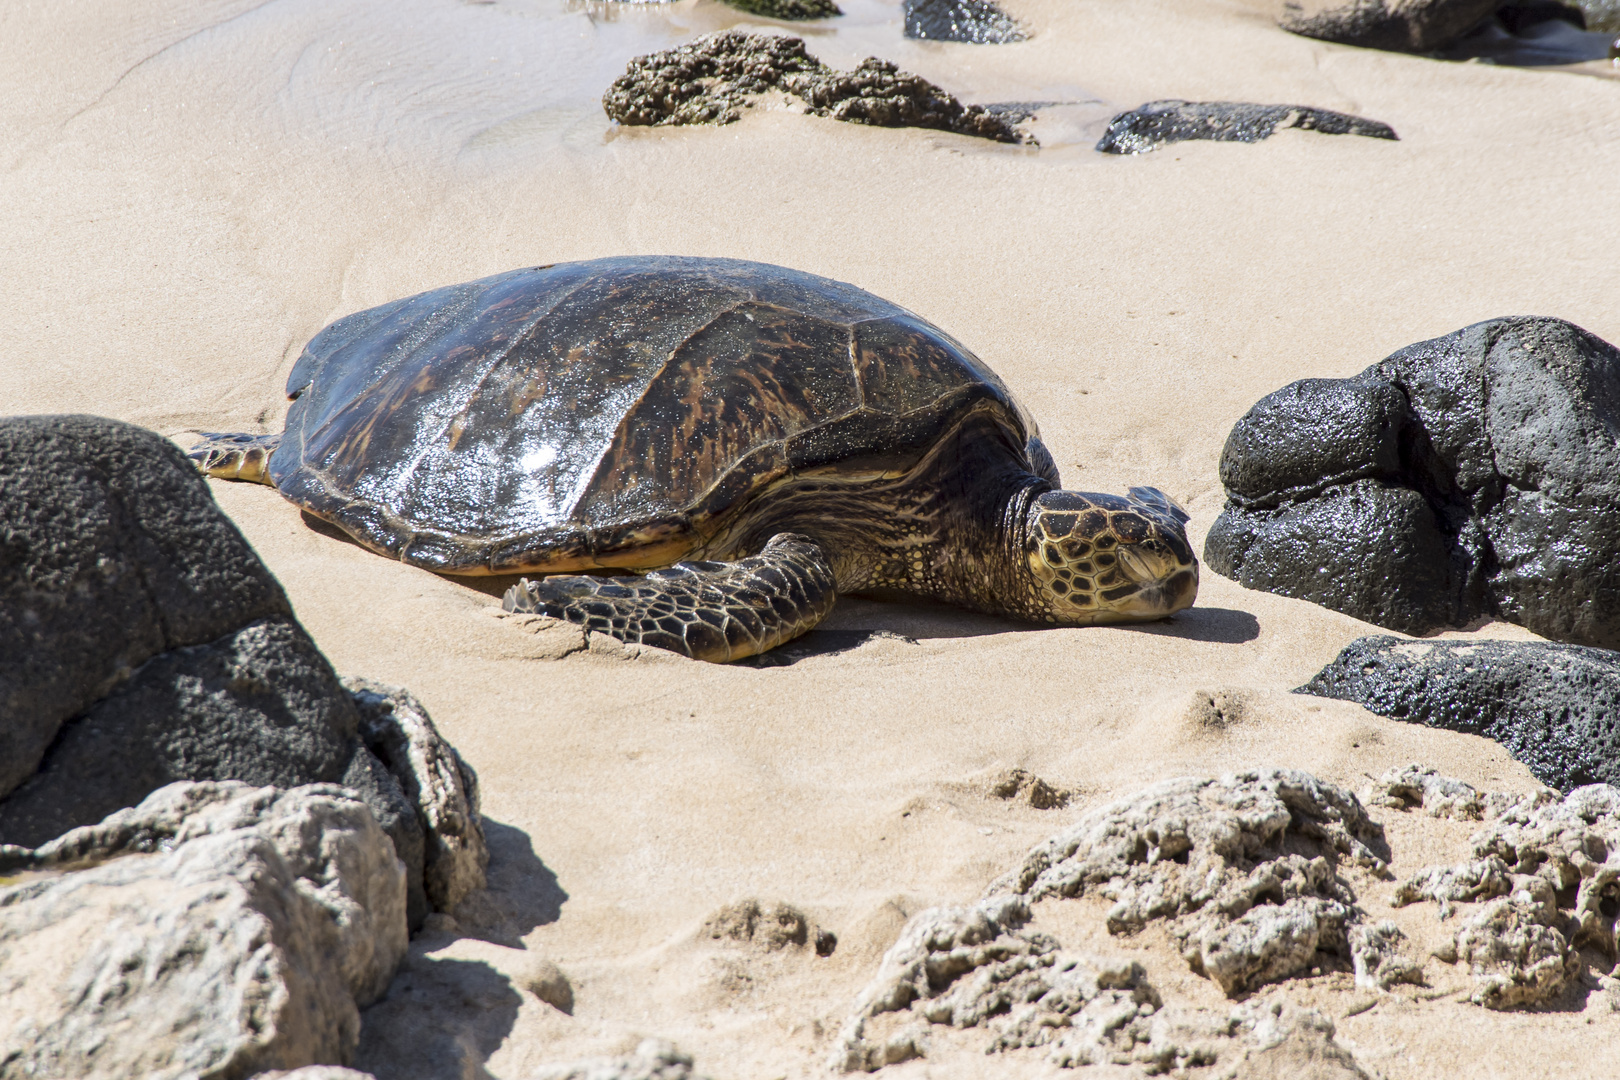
[193, 189]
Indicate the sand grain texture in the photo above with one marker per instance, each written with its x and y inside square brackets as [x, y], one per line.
[193, 190]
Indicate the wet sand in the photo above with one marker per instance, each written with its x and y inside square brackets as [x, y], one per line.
[194, 190]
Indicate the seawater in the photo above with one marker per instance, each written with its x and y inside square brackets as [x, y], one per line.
[457, 77]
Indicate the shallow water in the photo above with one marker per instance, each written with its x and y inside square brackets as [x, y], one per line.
[452, 77]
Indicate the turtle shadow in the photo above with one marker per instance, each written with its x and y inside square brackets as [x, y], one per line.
[521, 893]
[911, 622]
[1222, 626]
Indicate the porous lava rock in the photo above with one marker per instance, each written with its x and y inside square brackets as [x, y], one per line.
[980, 22]
[1396, 25]
[1159, 123]
[1475, 474]
[980, 965]
[1243, 870]
[142, 642]
[788, 10]
[216, 929]
[1545, 871]
[111, 552]
[1554, 707]
[710, 79]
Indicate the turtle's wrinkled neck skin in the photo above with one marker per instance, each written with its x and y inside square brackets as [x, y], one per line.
[973, 527]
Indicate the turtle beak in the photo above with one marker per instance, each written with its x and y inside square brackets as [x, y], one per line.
[1169, 585]
[1145, 565]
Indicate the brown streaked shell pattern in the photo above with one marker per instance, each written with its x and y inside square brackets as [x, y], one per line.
[615, 413]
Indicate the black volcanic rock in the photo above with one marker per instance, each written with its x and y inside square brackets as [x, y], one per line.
[788, 10]
[111, 552]
[1395, 25]
[979, 22]
[142, 642]
[1554, 707]
[1159, 122]
[1477, 474]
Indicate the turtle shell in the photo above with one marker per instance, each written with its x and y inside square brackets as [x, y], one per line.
[613, 413]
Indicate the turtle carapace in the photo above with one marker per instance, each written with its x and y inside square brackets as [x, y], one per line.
[754, 439]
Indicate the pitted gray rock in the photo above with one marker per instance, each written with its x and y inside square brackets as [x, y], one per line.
[437, 784]
[980, 966]
[1554, 707]
[1423, 787]
[1476, 474]
[213, 930]
[1244, 870]
[1547, 874]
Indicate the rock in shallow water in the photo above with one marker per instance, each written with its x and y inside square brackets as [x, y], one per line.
[710, 79]
[979, 22]
[1556, 708]
[1474, 474]
[1160, 122]
[213, 930]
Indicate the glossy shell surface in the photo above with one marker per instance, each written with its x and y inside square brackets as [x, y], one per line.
[613, 412]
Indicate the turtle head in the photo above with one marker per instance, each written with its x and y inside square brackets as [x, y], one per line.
[1104, 558]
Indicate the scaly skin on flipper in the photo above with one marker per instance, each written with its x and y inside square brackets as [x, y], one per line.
[716, 611]
[235, 457]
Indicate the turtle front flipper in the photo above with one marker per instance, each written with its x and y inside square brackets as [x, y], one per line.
[716, 611]
[235, 457]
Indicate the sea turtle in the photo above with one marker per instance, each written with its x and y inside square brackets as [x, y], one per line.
[801, 436]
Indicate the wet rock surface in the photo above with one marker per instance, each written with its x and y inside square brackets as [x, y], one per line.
[1395, 25]
[142, 642]
[216, 929]
[1546, 873]
[1554, 707]
[1159, 123]
[711, 79]
[980, 966]
[788, 10]
[1476, 474]
[1244, 871]
[980, 22]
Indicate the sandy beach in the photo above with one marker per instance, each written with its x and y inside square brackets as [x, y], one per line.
[194, 190]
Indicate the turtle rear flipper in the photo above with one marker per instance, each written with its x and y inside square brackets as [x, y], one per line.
[717, 611]
[235, 457]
